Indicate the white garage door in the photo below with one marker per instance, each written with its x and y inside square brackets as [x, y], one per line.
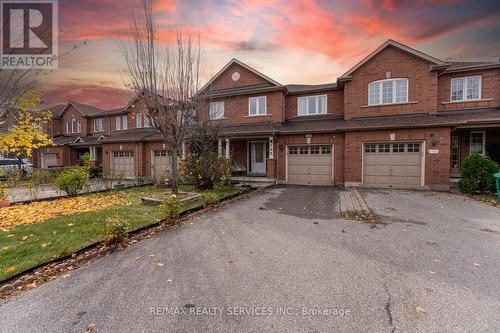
[123, 161]
[161, 165]
[392, 165]
[48, 160]
[310, 165]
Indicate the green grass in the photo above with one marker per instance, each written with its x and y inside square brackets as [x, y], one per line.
[67, 234]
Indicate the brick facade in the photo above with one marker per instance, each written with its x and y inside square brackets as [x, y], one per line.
[422, 85]
[334, 104]
[347, 101]
[437, 166]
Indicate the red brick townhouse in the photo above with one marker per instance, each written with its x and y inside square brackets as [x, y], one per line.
[399, 118]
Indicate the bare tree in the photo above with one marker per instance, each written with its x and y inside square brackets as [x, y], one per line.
[167, 76]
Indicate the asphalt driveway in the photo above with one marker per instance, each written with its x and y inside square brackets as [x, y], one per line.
[284, 261]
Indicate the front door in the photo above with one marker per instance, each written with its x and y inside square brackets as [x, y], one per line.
[258, 157]
[455, 155]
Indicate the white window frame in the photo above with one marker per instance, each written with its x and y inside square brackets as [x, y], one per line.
[78, 126]
[99, 121]
[483, 153]
[218, 115]
[68, 127]
[138, 120]
[73, 126]
[118, 122]
[381, 91]
[257, 108]
[464, 88]
[124, 122]
[306, 98]
[147, 121]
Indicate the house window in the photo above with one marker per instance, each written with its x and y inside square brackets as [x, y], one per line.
[466, 88]
[257, 106]
[68, 127]
[311, 105]
[384, 148]
[398, 148]
[124, 122]
[389, 91]
[370, 148]
[414, 147]
[216, 110]
[73, 126]
[477, 142]
[78, 126]
[118, 122]
[292, 150]
[138, 120]
[99, 125]
[315, 150]
[147, 121]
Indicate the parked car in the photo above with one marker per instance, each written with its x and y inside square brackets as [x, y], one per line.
[9, 165]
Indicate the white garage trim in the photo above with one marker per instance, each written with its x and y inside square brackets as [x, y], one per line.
[332, 147]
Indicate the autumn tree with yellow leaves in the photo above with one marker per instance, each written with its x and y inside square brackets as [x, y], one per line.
[26, 134]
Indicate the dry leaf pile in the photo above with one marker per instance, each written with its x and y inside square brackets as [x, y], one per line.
[37, 212]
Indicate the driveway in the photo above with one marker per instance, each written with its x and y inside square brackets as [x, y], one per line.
[284, 261]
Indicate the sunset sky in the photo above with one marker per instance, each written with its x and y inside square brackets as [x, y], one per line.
[306, 41]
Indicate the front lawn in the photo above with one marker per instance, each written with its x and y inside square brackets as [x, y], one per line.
[28, 244]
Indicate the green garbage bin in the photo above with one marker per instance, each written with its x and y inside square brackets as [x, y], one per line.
[497, 179]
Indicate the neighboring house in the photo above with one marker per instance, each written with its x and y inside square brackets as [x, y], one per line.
[399, 118]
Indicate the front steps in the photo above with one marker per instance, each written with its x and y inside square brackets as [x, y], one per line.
[255, 182]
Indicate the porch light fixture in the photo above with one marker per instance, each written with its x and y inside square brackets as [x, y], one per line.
[392, 136]
[282, 146]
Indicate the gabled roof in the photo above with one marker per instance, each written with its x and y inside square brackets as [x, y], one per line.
[85, 109]
[399, 46]
[236, 61]
[55, 110]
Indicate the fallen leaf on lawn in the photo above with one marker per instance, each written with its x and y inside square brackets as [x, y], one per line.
[10, 235]
[45, 244]
[160, 264]
[9, 269]
[420, 309]
[70, 224]
[5, 248]
[24, 238]
[432, 272]
[477, 264]
[37, 212]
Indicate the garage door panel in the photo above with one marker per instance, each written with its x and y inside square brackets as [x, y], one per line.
[392, 164]
[310, 165]
[123, 161]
